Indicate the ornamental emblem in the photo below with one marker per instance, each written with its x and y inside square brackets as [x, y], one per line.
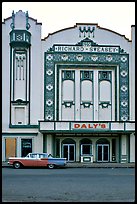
[49, 87]
[124, 88]
[109, 58]
[86, 31]
[124, 118]
[94, 58]
[49, 117]
[49, 57]
[123, 73]
[64, 57]
[49, 102]
[79, 57]
[49, 72]
[124, 103]
[123, 58]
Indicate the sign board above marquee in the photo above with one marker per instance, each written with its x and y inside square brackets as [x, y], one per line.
[88, 127]
[88, 46]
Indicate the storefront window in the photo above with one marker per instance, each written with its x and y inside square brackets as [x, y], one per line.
[86, 149]
[26, 146]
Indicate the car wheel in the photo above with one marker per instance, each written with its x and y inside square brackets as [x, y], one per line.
[17, 165]
[51, 166]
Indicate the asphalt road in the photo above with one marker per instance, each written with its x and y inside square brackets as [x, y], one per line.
[68, 185]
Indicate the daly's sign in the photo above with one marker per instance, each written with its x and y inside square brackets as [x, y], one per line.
[89, 126]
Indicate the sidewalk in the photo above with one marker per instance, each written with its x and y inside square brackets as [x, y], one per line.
[100, 165]
[91, 165]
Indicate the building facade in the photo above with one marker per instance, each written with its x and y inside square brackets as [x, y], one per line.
[71, 94]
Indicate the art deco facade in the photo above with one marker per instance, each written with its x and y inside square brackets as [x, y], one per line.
[71, 94]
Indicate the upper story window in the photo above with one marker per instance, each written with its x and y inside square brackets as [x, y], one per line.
[20, 63]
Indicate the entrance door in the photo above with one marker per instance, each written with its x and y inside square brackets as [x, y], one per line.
[69, 152]
[102, 152]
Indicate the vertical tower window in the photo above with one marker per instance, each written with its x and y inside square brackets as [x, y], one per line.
[20, 63]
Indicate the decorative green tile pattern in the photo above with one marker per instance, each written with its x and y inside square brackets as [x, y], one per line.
[54, 59]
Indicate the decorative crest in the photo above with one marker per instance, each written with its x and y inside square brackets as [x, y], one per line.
[86, 30]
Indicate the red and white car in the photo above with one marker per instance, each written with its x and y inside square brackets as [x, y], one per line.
[37, 160]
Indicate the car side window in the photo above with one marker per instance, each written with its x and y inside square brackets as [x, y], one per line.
[41, 156]
[34, 156]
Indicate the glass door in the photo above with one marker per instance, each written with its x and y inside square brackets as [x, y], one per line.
[102, 152]
[69, 152]
[105, 153]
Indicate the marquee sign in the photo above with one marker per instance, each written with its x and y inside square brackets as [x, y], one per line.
[80, 126]
[89, 126]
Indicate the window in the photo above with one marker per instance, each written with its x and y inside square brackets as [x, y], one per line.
[26, 147]
[86, 149]
[34, 156]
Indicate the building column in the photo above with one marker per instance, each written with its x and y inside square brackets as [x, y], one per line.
[3, 148]
[94, 150]
[132, 147]
[77, 149]
[50, 144]
[124, 156]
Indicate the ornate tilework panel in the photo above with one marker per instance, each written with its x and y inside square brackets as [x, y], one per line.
[76, 59]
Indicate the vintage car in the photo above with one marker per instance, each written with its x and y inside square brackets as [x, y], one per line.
[37, 160]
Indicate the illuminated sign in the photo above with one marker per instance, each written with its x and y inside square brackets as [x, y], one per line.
[95, 126]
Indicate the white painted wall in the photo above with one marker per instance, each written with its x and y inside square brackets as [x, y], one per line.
[132, 148]
[5, 75]
[102, 36]
[50, 144]
[37, 79]
[37, 83]
[123, 145]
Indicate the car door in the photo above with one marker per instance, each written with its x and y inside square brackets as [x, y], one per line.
[32, 160]
[42, 160]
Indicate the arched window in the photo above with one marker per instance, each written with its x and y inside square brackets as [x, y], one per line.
[86, 147]
[102, 141]
[68, 141]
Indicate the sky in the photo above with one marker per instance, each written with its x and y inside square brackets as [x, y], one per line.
[54, 16]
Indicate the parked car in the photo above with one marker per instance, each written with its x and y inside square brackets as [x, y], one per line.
[37, 160]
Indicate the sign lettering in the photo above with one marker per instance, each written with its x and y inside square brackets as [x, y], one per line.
[93, 49]
[94, 126]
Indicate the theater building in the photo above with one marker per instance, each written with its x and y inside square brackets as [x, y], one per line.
[71, 94]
